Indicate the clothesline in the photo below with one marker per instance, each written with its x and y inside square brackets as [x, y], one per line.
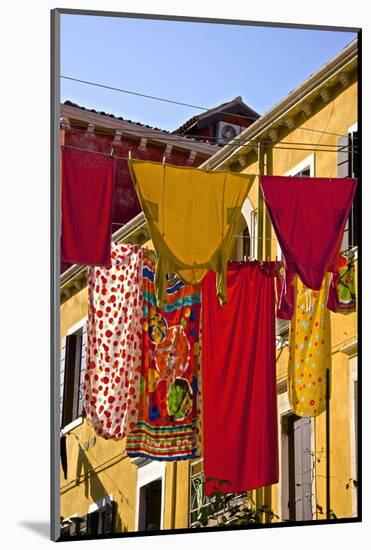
[157, 98]
[128, 158]
[178, 137]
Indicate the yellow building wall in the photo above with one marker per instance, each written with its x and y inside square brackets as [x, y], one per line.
[116, 475]
[99, 467]
[337, 116]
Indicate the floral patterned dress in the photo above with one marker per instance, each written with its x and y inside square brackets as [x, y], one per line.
[309, 350]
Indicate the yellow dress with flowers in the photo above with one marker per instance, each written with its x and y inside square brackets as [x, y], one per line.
[309, 350]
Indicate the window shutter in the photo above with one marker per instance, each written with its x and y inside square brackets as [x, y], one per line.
[83, 526]
[353, 223]
[303, 468]
[93, 523]
[80, 407]
[354, 155]
[69, 380]
[108, 517]
[343, 171]
[298, 450]
[61, 385]
[306, 433]
[63, 453]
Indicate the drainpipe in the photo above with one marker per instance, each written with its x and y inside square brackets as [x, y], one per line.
[261, 169]
[173, 497]
[328, 446]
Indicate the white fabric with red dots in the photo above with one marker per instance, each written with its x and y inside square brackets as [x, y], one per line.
[112, 378]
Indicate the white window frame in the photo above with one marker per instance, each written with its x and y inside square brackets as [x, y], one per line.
[148, 471]
[78, 421]
[353, 128]
[247, 211]
[284, 409]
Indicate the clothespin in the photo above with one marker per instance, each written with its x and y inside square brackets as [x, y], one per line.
[163, 159]
[111, 151]
[129, 155]
[276, 258]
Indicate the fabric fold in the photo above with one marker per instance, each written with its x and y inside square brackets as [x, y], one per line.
[309, 349]
[114, 346]
[192, 217]
[308, 216]
[87, 195]
[168, 425]
[239, 379]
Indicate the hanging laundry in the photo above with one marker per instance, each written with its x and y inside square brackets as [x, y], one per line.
[192, 217]
[308, 216]
[114, 356]
[169, 405]
[342, 298]
[239, 379]
[309, 349]
[87, 189]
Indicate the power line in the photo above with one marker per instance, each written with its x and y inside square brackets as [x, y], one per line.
[173, 101]
[179, 137]
[253, 146]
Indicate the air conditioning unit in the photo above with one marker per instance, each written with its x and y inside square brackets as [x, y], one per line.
[226, 131]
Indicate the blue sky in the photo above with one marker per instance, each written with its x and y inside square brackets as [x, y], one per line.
[197, 63]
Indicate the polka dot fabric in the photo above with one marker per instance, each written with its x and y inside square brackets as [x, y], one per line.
[112, 378]
[309, 350]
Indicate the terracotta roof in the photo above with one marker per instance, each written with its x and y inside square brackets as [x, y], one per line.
[72, 104]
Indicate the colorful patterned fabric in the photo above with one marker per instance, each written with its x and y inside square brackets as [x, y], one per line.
[169, 407]
[309, 350]
[346, 286]
[114, 357]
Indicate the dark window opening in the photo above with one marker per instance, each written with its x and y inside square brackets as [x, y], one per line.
[150, 506]
[73, 359]
[246, 245]
[99, 522]
[348, 167]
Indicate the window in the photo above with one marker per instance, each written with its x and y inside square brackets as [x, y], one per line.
[99, 520]
[246, 242]
[150, 494]
[296, 468]
[73, 357]
[347, 161]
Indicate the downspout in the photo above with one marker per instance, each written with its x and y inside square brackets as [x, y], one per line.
[173, 496]
[260, 201]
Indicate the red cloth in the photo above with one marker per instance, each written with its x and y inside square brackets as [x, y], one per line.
[309, 216]
[239, 380]
[87, 188]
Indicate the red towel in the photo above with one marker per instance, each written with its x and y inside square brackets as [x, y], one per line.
[309, 216]
[87, 190]
[239, 380]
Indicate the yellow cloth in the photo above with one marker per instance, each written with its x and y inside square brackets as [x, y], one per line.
[192, 218]
[309, 350]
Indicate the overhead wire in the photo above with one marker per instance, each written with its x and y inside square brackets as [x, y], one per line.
[175, 102]
[175, 137]
[254, 146]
